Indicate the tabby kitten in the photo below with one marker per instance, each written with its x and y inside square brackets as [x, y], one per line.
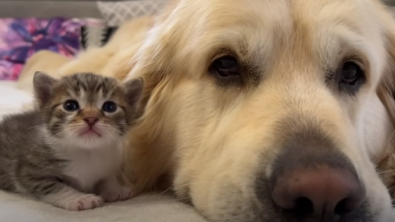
[68, 152]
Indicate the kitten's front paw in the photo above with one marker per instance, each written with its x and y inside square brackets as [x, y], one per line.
[120, 194]
[85, 202]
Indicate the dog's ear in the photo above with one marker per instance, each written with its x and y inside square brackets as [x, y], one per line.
[386, 88]
[386, 94]
[154, 60]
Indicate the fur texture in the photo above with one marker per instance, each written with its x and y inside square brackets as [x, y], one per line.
[57, 154]
[386, 166]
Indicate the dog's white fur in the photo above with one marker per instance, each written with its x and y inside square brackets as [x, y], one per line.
[213, 142]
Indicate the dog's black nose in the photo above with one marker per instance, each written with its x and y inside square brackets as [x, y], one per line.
[313, 181]
[321, 192]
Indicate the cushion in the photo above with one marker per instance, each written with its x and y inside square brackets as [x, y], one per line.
[115, 13]
[49, 8]
[21, 38]
[95, 36]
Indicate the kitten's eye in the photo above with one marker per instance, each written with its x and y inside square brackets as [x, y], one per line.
[71, 105]
[226, 66]
[109, 107]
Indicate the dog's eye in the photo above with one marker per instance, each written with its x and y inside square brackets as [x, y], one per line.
[352, 76]
[351, 72]
[71, 105]
[226, 67]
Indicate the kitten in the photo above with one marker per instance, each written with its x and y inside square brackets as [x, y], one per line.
[68, 152]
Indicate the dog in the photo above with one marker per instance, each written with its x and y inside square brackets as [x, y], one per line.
[261, 110]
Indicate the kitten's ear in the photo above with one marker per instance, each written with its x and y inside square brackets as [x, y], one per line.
[43, 85]
[134, 90]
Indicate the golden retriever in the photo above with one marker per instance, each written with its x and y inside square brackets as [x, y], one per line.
[261, 110]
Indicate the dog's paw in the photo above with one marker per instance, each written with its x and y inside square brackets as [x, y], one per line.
[118, 194]
[84, 202]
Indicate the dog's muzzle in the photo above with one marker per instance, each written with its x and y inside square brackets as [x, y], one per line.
[313, 181]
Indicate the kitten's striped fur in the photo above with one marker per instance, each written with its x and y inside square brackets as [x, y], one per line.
[53, 154]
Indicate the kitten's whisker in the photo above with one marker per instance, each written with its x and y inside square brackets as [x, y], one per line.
[386, 171]
[35, 127]
[387, 176]
[68, 81]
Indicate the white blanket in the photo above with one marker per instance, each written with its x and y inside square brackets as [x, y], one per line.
[11, 99]
[147, 208]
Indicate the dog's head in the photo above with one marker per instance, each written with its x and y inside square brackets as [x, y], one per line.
[265, 107]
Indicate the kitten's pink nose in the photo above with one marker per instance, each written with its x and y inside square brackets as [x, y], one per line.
[91, 121]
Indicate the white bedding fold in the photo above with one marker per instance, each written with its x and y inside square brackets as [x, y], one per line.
[12, 100]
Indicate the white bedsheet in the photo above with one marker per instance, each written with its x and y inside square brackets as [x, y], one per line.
[12, 99]
[147, 208]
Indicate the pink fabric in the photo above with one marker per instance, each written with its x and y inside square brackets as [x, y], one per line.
[21, 38]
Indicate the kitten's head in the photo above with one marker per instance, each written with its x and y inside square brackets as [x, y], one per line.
[85, 109]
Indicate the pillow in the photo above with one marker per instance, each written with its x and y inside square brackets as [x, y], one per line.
[95, 36]
[115, 13]
[21, 38]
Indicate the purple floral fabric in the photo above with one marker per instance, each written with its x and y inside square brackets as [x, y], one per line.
[21, 38]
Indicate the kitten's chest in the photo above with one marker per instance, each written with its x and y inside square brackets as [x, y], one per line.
[87, 169]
